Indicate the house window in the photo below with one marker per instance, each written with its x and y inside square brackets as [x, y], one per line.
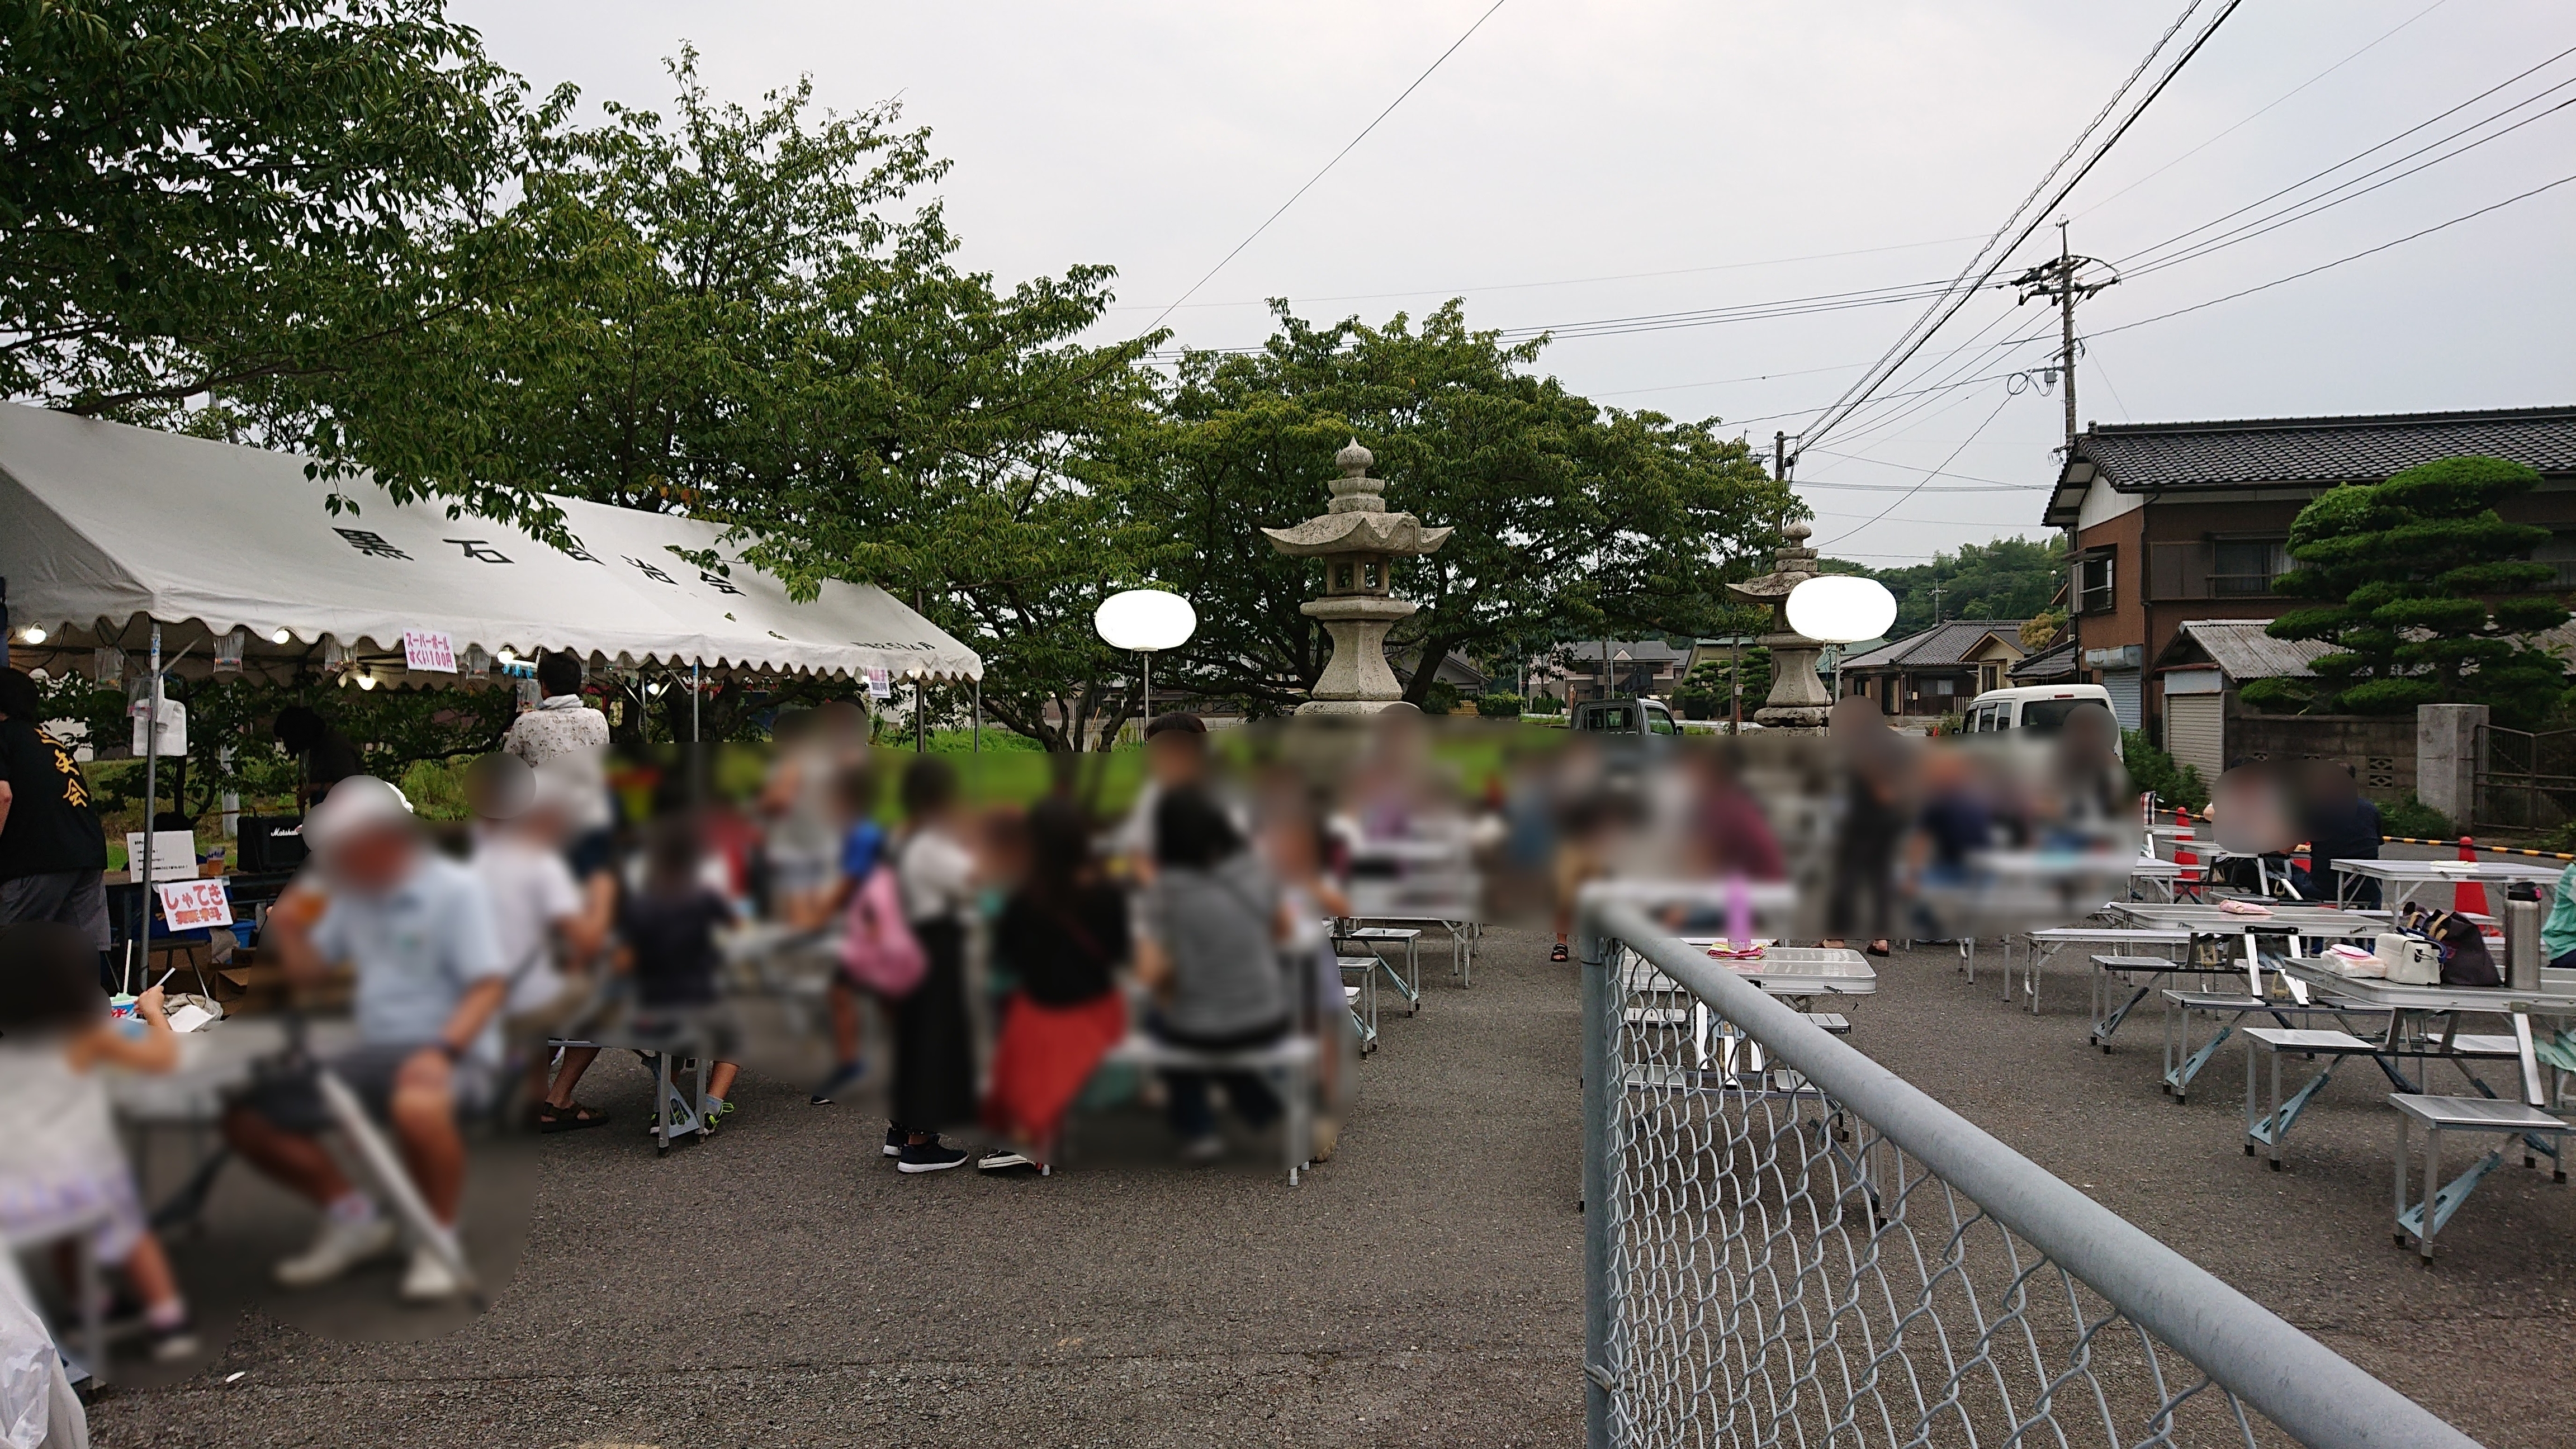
[1945, 686]
[2093, 583]
[2559, 553]
[2242, 566]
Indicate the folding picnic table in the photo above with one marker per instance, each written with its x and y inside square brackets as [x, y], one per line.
[2047, 941]
[219, 1057]
[2411, 1011]
[1408, 981]
[2401, 879]
[1797, 974]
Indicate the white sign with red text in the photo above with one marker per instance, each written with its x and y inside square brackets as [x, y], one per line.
[428, 651]
[191, 905]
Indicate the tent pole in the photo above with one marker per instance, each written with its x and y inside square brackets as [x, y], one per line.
[1145, 702]
[920, 730]
[693, 702]
[151, 791]
[978, 746]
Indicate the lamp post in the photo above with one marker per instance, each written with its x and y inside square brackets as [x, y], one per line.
[1145, 621]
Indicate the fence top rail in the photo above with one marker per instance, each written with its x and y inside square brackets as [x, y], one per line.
[2312, 1392]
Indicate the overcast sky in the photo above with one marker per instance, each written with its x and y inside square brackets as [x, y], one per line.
[1573, 162]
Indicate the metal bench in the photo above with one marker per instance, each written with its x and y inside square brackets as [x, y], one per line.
[2183, 1061]
[1361, 995]
[1407, 982]
[2267, 1130]
[2438, 1115]
[1291, 1059]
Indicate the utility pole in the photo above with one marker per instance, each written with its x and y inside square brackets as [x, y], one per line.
[2066, 282]
[1937, 592]
[1779, 456]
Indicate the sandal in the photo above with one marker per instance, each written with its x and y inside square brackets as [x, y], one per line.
[573, 1117]
[1877, 948]
[1558, 953]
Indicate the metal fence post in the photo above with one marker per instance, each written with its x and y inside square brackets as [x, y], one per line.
[1600, 1068]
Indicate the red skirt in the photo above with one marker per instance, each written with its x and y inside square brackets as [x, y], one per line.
[1044, 1056]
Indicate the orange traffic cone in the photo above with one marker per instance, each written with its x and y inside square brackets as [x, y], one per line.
[2469, 895]
[2186, 859]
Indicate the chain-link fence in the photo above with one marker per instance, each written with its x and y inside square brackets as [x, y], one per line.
[1789, 1245]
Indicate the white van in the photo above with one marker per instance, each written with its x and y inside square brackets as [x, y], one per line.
[2031, 710]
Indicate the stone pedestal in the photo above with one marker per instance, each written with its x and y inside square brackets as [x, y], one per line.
[1357, 681]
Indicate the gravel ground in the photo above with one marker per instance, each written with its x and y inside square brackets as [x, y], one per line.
[782, 1285]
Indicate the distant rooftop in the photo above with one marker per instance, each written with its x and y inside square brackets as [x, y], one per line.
[2254, 452]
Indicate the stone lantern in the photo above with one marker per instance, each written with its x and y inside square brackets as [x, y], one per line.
[1798, 699]
[1358, 542]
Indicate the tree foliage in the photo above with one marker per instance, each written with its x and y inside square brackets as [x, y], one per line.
[1570, 518]
[2009, 578]
[198, 195]
[2426, 594]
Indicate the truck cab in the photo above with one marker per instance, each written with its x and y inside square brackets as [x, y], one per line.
[1625, 717]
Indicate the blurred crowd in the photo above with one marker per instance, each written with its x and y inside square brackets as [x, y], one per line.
[854, 924]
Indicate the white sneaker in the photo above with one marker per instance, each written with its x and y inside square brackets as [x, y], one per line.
[428, 1280]
[339, 1247]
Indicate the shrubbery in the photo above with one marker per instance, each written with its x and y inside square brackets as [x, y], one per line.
[2174, 785]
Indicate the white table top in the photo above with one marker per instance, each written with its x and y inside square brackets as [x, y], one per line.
[2111, 935]
[2307, 919]
[2378, 991]
[1802, 970]
[2482, 871]
[213, 1060]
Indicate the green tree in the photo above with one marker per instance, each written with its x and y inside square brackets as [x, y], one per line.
[199, 194]
[2430, 596]
[742, 314]
[2009, 578]
[1569, 518]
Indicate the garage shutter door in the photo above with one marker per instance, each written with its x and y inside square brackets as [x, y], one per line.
[2126, 704]
[2195, 732]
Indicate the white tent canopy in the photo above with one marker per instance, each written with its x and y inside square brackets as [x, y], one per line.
[104, 527]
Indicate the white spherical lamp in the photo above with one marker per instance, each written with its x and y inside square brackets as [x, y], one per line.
[1841, 608]
[1145, 620]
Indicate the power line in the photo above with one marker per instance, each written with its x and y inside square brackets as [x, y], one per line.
[2249, 120]
[1942, 311]
[2339, 261]
[1946, 462]
[1328, 166]
[2144, 259]
[1572, 281]
[1659, 321]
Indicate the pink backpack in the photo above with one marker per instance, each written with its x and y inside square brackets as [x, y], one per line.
[878, 950]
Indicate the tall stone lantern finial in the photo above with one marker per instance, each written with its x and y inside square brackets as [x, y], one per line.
[1798, 699]
[1358, 541]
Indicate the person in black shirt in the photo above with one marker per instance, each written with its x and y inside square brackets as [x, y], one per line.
[667, 943]
[1063, 935]
[326, 755]
[52, 851]
[1064, 931]
[2343, 824]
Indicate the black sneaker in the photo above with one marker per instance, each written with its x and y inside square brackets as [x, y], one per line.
[930, 1156]
[895, 1137]
[1004, 1159]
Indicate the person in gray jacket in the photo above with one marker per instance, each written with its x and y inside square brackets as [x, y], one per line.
[1213, 920]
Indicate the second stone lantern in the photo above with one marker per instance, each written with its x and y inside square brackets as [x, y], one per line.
[1359, 542]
